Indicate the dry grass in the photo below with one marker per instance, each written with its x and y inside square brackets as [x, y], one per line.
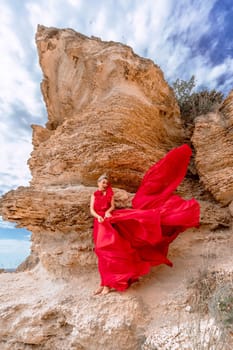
[211, 297]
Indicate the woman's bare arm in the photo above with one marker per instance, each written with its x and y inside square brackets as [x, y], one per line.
[92, 210]
[112, 207]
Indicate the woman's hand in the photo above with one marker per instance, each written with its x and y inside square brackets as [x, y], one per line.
[107, 214]
[100, 219]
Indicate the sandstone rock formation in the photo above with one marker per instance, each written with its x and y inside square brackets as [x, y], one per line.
[212, 140]
[109, 110]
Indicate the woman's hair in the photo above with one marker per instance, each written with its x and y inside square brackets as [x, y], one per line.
[102, 177]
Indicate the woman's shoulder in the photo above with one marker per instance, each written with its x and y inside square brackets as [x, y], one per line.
[96, 193]
[110, 191]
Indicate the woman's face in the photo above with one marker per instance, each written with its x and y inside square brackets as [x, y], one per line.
[103, 184]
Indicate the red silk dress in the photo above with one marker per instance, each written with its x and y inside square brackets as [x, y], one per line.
[133, 240]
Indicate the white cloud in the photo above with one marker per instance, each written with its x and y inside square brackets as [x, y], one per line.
[75, 3]
[176, 33]
[220, 69]
[47, 13]
[6, 224]
[14, 169]
[13, 246]
[19, 92]
[13, 252]
[17, 84]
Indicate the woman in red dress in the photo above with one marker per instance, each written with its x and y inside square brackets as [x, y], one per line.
[128, 242]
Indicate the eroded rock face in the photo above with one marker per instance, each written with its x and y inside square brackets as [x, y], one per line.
[60, 223]
[213, 215]
[212, 140]
[109, 110]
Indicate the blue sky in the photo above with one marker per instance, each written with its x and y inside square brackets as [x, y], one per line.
[14, 245]
[184, 37]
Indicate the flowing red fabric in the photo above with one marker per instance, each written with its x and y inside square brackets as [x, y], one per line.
[132, 240]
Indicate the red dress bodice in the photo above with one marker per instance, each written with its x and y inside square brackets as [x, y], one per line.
[102, 201]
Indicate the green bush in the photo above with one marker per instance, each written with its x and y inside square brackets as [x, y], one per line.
[192, 103]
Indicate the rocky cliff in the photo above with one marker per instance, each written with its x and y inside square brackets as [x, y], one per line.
[109, 110]
[212, 140]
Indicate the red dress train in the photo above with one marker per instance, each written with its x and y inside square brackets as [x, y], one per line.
[132, 240]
